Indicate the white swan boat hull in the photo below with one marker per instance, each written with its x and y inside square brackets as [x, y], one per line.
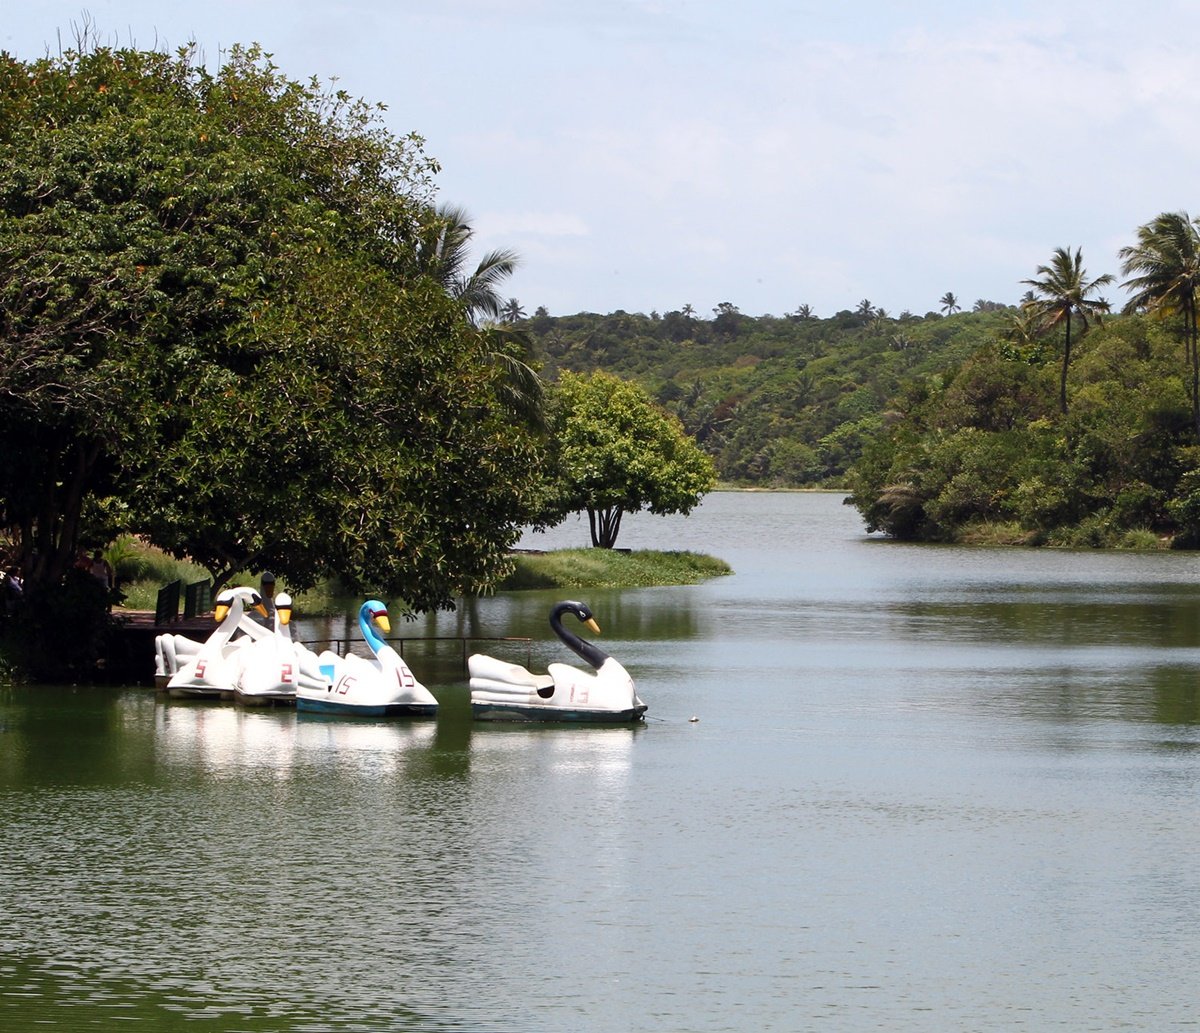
[489, 710]
[365, 693]
[328, 705]
[274, 671]
[276, 695]
[212, 677]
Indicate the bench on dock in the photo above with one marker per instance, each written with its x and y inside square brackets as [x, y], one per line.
[197, 600]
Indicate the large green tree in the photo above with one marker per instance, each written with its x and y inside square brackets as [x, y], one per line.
[213, 315]
[615, 452]
[1063, 294]
[1166, 264]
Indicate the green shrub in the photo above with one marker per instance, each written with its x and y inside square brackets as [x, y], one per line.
[1040, 505]
[1140, 538]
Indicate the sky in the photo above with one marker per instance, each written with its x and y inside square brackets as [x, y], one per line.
[643, 155]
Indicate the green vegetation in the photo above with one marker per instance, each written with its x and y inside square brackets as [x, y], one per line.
[986, 445]
[982, 447]
[1042, 423]
[612, 568]
[140, 570]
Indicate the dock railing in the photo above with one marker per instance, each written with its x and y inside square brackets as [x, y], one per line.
[166, 606]
[197, 599]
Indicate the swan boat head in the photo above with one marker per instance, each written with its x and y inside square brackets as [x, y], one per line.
[373, 618]
[228, 600]
[283, 615]
[587, 651]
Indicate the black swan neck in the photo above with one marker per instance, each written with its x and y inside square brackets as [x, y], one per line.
[587, 651]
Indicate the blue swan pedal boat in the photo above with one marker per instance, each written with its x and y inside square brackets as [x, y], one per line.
[502, 691]
[382, 687]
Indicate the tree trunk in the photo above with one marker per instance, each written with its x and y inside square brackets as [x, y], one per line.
[605, 525]
[52, 537]
[1189, 317]
[1062, 387]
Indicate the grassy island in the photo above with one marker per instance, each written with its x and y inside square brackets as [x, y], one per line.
[611, 568]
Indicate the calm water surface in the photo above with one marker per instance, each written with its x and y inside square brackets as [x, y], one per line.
[929, 789]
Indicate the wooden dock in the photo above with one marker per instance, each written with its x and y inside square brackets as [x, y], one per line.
[131, 645]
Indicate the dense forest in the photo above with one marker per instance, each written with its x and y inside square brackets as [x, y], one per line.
[955, 425]
[777, 401]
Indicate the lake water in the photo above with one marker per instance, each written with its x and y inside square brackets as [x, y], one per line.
[929, 789]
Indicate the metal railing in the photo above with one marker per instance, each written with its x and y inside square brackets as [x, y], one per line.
[197, 600]
[343, 645]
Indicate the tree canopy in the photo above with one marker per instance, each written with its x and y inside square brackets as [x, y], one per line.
[219, 329]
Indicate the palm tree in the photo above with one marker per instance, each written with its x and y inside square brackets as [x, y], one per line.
[805, 312]
[949, 303]
[865, 309]
[520, 389]
[1021, 336]
[1167, 261]
[1062, 295]
[442, 243]
[513, 312]
[1022, 328]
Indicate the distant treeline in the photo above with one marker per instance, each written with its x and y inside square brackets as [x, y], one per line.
[943, 426]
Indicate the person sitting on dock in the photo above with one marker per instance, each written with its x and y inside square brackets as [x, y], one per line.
[101, 570]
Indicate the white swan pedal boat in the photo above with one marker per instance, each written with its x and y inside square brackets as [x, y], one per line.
[502, 691]
[273, 668]
[214, 668]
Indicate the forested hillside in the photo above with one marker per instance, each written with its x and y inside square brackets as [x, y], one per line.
[777, 401]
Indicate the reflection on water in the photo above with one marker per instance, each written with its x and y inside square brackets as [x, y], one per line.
[224, 742]
[928, 789]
